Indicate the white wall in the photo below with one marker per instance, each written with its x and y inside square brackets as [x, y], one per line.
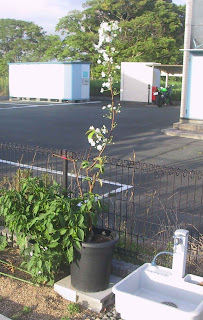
[69, 81]
[194, 108]
[135, 78]
[36, 80]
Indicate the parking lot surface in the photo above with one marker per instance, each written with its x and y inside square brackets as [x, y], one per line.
[138, 134]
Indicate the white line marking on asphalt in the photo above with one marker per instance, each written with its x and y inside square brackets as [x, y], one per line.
[122, 187]
[24, 106]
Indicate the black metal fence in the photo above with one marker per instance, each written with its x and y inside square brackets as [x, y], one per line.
[146, 202]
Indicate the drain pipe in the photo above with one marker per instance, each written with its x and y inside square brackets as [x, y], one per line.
[186, 56]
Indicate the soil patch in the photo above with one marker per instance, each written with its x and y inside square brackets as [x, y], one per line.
[24, 301]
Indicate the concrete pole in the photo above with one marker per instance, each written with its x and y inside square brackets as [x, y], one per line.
[166, 83]
[186, 55]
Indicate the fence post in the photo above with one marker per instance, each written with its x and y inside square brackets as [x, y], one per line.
[65, 171]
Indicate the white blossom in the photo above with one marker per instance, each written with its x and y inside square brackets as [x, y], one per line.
[106, 84]
[91, 141]
[99, 61]
[104, 129]
[102, 90]
[103, 74]
[91, 128]
[99, 147]
[104, 107]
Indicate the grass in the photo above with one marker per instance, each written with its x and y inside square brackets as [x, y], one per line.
[4, 86]
[18, 315]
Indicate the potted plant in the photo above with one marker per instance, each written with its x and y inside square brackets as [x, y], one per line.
[52, 227]
[91, 259]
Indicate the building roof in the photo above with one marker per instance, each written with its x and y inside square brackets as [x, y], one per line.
[168, 68]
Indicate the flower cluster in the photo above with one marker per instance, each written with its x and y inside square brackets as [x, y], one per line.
[108, 31]
[96, 137]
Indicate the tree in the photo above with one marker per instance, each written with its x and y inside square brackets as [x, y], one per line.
[152, 30]
[78, 38]
[20, 41]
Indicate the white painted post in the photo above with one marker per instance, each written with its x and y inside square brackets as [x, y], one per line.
[180, 252]
[186, 55]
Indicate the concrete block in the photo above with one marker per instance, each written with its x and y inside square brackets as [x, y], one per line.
[3, 317]
[95, 301]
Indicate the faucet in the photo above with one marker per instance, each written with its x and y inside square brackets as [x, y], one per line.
[153, 263]
[179, 253]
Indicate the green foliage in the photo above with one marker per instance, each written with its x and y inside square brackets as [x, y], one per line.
[151, 31]
[4, 87]
[48, 225]
[26, 310]
[73, 308]
[3, 242]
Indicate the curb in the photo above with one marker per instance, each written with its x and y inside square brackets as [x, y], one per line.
[3, 317]
[183, 133]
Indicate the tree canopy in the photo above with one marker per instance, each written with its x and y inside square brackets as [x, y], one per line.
[151, 30]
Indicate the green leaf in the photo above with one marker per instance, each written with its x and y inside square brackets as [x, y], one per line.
[50, 228]
[53, 244]
[63, 231]
[80, 234]
[69, 254]
[85, 164]
[36, 208]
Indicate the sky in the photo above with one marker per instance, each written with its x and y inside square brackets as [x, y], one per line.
[45, 13]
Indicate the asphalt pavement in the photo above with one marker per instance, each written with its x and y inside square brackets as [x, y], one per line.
[137, 136]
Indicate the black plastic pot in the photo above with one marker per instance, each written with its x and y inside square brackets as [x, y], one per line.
[91, 269]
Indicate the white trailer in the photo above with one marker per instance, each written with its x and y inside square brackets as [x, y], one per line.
[138, 80]
[50, 80]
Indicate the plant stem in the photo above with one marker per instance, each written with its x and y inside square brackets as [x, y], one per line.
[26, 281]
[9, 264]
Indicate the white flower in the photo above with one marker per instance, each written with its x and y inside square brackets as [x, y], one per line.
[91, 141]
[106, 84]
[103, 129]
[104, 107]
[99, 61]
[39, 272]
[118, 67]
[102, 90]
[97, 130]
[105, 56]
[99, 147]
[103, 74]
[91, 128]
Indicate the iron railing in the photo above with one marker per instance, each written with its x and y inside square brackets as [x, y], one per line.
[146, 202]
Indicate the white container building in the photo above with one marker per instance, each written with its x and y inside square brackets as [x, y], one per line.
[50, 80]
[138, 80]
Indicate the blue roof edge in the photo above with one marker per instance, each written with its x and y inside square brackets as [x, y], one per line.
[52, 62]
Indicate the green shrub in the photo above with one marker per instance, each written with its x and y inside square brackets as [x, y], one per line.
[4, 86]
[47, 224]
[96, 85]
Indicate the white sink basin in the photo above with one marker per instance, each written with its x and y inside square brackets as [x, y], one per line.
[154, 293]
